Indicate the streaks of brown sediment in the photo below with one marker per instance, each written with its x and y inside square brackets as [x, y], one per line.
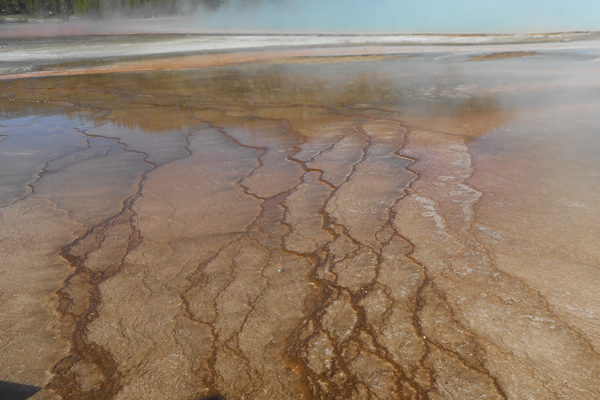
[362, 204]
[86, 184]
[306, 234]
[319, 126]
[235, 337]
[90, 371]
[339, 341]
[53, 224]
[140, 265]
[339, 314]
[503, 55]
[502, 315]
[275, 172]
[287, 251]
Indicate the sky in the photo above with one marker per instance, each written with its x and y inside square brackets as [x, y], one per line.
[405, 16]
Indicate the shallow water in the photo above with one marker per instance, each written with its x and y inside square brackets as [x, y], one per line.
[399, 226]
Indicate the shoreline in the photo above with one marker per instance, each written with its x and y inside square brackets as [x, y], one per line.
[190, 26]
[30, 58]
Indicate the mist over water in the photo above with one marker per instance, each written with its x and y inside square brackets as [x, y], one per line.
[392, 16]
[327, 17]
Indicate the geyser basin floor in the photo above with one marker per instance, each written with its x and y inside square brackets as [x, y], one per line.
[40, 55]
[419, 227]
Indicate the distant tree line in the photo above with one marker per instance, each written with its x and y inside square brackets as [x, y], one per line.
[34, 7]
[98, 8]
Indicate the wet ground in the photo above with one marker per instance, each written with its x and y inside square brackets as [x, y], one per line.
[419, 225]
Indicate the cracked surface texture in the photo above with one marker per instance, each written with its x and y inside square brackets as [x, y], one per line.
[364, 228]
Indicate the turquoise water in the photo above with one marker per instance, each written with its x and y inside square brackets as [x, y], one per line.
[393, 16]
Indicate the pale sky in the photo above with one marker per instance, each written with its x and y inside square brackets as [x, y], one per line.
[414, 16]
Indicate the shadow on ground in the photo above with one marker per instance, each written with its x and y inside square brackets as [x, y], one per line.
[15, 391]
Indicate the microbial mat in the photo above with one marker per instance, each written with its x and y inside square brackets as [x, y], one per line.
[399, 225]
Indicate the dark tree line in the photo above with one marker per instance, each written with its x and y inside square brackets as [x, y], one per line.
[98, 8]
[35, 7]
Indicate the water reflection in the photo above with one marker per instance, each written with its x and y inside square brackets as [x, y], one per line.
[418, 89]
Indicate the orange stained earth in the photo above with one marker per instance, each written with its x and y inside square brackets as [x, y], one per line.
[356, 228]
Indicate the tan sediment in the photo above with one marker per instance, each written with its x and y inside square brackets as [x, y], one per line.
[219, 59]
[193, 234]
[503, 55]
